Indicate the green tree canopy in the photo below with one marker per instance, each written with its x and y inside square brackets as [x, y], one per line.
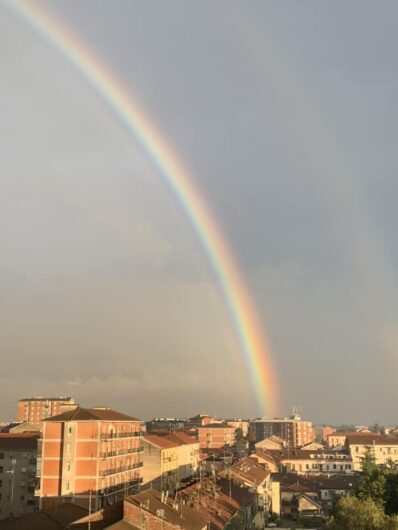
[373, 481]
[352, 513]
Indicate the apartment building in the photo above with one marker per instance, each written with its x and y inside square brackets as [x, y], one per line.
[293, 430]
[216, 436]
[18, 453]
[169, 461]
[165, 425]
[316, 462]
[36, 409]
[322, 432]
[338, 439]
[90, 456]
[383, 448]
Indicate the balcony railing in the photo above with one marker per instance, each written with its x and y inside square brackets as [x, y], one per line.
[113, 435]
[123, 487]
[121, 469]
[121, 452]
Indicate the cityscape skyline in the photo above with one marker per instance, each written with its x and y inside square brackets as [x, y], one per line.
[289, 134]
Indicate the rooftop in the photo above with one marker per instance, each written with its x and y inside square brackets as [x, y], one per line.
[61, 398]
[94, 414]
[184, 517]
[370, 439]
[18, 441]
[174, 439]
[249, 471]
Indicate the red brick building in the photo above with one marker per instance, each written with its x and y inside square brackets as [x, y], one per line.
[216, 436]
[90, 454]
[35, 409]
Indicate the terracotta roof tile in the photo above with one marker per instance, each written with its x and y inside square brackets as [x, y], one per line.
[83, 414]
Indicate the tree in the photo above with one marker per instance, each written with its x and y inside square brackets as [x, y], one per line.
[352, 513]
[373, 481]
[345, 428]
[239, 434]
[391, 493]
[374, 428]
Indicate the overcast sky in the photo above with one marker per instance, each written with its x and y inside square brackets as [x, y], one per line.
[285, 114]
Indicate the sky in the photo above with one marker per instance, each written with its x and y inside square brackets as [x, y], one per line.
[285, 114]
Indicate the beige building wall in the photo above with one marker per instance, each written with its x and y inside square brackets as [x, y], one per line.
[382, 452]
[276, 498]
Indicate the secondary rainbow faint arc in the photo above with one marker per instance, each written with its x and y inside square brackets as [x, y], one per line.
[121, 101]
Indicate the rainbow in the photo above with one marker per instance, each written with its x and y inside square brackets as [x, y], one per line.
[240, 308]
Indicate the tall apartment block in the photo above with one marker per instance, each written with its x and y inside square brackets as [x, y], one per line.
[36, 409]
[89, 456]
[293, 430]
[18, 453]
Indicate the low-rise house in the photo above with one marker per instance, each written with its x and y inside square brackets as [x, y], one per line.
[269, 459]
[248, 472]
[307, 506]
[226, 503]
[384, 448]
[321, 489]
[151, 509]
[273, 443]
[334, 488]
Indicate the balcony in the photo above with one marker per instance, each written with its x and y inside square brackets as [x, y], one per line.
[121, 452]
[123, 487]
[116, 435]
[117, 470]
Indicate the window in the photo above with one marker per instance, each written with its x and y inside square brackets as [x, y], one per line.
[1, 456]
[1, 469]
[69, 430]
[68, 466]
[67, 486]
[334, 466]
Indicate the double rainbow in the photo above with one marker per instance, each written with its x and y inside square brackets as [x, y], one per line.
[121, 101]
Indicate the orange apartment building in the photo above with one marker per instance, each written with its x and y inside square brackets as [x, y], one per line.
[36, 409]
[89, 456]
[216, 435]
